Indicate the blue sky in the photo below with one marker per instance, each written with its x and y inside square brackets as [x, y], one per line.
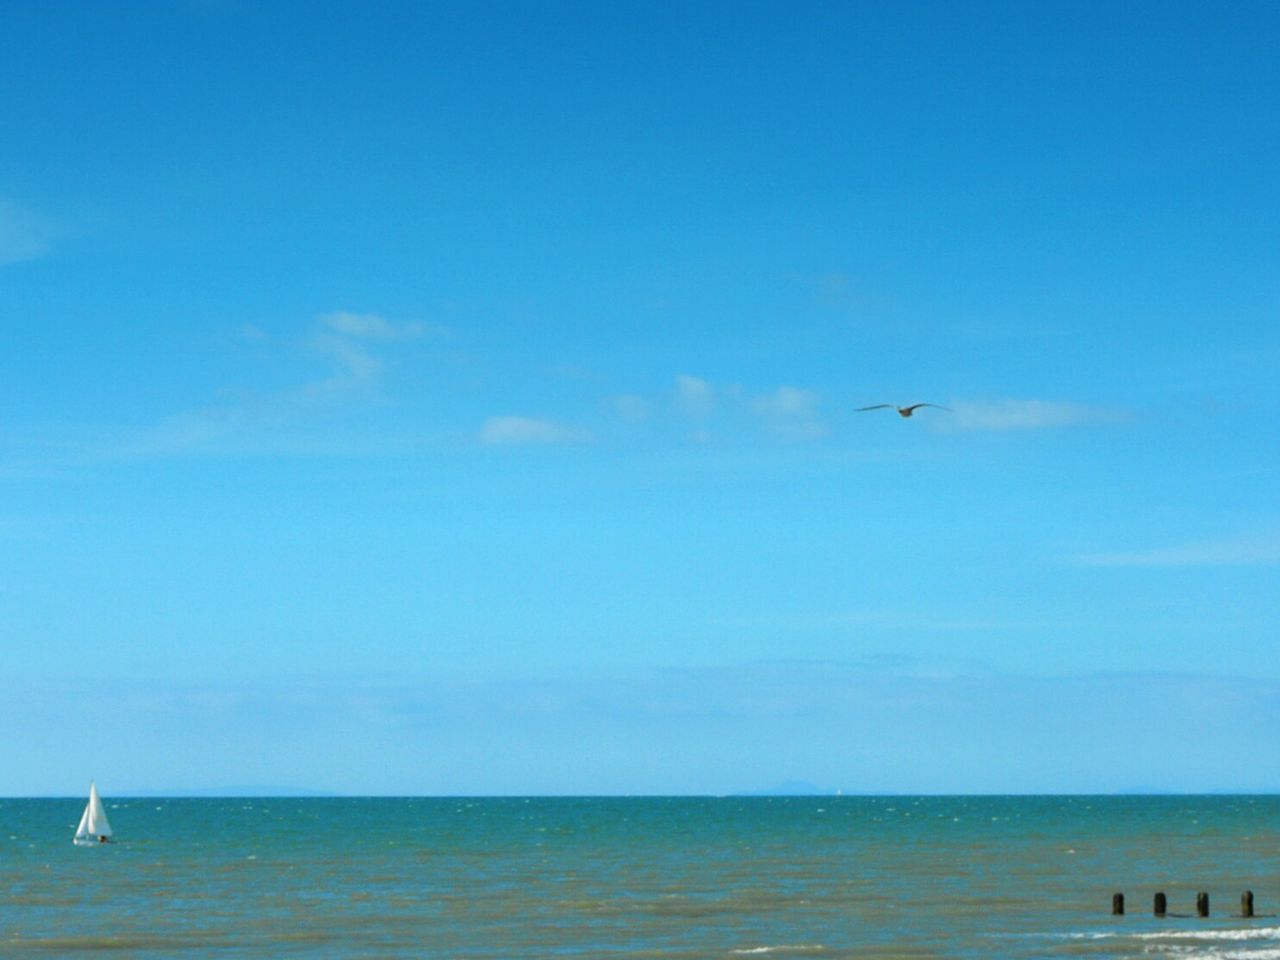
[433, 398]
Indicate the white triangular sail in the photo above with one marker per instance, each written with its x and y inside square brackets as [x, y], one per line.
[93, 823]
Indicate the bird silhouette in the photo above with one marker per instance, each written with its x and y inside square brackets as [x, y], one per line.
[902, 411]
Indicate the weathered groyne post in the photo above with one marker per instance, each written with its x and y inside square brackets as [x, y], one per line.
[1202, 904]
[1117, 904]
[1246, 904]
[1160, 906]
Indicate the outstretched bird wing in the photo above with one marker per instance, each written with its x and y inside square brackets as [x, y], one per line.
[917, 406]
[878, 406]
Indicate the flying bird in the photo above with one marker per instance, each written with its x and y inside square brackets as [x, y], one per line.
[902, 411]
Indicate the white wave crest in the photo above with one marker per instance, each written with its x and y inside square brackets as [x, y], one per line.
[1229, 953]
[1233, 933]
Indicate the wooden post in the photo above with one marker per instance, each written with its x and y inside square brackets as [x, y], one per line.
[1246, 904]
[1117, 904]
[1202, 904]
[1161, 905]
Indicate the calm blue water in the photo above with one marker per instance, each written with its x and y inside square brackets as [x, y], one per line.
[646, 878]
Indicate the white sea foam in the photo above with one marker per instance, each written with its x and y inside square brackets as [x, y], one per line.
[781, 948]
[1235, 933]
[1234, 943]
[1174, 936]
[1229, 953]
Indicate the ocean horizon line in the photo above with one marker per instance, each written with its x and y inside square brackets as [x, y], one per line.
[302, 793]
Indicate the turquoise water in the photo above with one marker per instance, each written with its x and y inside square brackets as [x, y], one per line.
[607, 878]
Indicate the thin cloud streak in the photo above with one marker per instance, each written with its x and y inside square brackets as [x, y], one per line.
[694, 396]
[23, 235]
[268, 420]
[787, 412]
[911, 620]
[525, 431]
[373, 327]
[1237, 552]
[344, 338]
[1025, 414]
[630, 407]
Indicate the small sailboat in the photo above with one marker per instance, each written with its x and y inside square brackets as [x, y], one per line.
[94, 827]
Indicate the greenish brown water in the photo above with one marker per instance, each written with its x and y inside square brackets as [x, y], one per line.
[829, 877]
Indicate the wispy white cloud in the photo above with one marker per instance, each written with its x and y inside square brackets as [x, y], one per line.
[197, 430]
[369, 326]
[842, 291]
[1242, 551]
[789, 412]
[530, 431]
[694, 396]
[787, 402]
[353, 347]
[354, 363]
[347, 338]
[631, 407]
[1016, 414]
[23, 234]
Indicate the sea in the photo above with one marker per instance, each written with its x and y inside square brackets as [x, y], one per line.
[612, 878]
